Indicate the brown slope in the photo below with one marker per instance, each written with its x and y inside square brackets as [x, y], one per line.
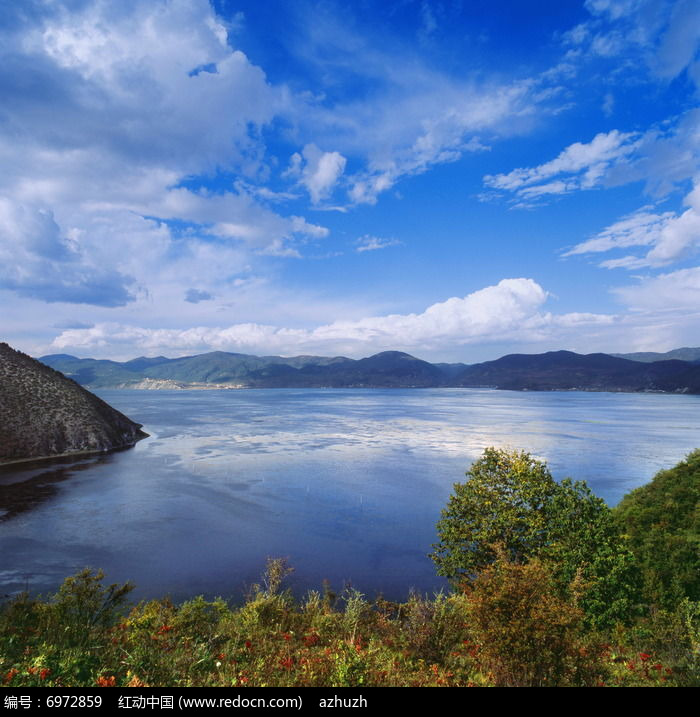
[43, 413]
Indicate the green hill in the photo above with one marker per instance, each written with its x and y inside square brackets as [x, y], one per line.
[662, 521]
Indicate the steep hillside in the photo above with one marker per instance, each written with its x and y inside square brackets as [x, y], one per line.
[662, 523]
[43, 413]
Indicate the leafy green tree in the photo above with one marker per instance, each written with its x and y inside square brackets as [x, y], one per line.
[512, 500]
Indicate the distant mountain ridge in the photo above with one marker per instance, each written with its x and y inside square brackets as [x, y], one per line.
[219, 368]
[565, 370]
[43, 413]
[551, 371]
[683, 354]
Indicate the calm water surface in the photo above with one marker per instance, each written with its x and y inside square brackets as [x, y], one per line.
[346, 483]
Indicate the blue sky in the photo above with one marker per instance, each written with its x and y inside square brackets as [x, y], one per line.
[458, 180]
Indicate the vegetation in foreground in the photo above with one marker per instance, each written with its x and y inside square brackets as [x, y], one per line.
[550, 587]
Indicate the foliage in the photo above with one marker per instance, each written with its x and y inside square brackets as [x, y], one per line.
[531, 631]
[662, 522]
[503, 503]
[511, 500]
[513, 626]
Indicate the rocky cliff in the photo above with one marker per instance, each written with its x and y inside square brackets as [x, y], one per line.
[43, 413]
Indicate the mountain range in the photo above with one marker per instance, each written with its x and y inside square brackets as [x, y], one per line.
[554, 370]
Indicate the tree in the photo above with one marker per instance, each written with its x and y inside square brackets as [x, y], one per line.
[512, 500]
[529, 634]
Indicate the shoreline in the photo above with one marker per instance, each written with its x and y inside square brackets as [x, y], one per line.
[71, 454]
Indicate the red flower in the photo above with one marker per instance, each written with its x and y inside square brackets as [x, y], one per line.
[10, 676]
[287, 663]
[287, 636]
[643, 656]
[249, 645]
[44, 673]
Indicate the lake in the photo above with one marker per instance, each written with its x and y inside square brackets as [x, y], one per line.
[348, 484]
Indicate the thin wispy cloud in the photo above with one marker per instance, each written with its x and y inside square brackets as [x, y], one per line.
[581, 165]
[371, 243]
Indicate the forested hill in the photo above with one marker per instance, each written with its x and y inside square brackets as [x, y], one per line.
[565, 370]
[552, 371]
[218, 369]
[42, 413]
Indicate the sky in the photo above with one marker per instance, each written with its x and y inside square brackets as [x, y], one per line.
[458, 180]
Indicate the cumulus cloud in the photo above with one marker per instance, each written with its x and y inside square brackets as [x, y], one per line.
[511, 309]
[37, 260]
[144, 98]
[316, 170]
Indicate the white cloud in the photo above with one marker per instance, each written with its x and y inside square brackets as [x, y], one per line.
[37, 259]
[372, 243]
[407, 115]
[318, 171]
[676, 291]
[663, 36]
[143, 96]
[579, 166]
[509, 310]
[663, 159]
[638, 229]
[613, 8]
[672, 236]
[678, 48]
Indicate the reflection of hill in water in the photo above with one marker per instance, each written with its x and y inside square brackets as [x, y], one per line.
[37, 482]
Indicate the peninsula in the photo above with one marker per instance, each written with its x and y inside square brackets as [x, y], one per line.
[44, 414]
